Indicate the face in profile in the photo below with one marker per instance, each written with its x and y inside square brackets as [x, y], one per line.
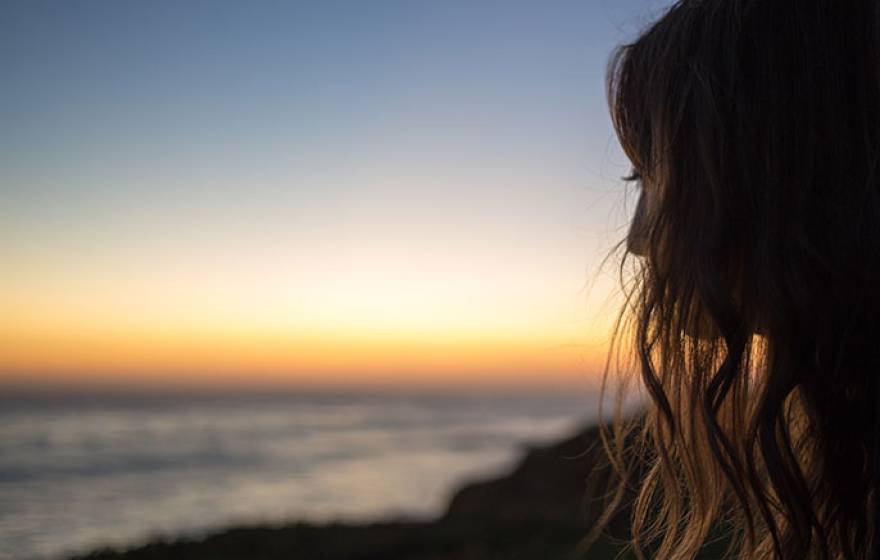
[638, 241]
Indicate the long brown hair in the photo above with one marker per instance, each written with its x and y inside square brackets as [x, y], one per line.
[753, 310]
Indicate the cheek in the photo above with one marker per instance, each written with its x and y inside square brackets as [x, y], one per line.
[636, 239]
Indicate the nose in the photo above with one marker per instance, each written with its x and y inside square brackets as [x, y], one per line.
[636, 239]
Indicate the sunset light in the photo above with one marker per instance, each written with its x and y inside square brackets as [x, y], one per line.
[372, 204]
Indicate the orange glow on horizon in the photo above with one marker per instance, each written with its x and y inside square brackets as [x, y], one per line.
[364, 328]
[305, 358]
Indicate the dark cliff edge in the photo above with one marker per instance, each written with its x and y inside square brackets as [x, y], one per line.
[540, 510]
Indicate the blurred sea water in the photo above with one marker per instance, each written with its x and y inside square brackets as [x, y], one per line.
[85, 470]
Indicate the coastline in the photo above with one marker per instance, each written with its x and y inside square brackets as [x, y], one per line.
[540, 509]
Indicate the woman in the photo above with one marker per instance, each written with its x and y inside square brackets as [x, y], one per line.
[753, 128]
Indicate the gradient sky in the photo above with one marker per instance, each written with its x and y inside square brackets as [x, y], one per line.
[314, 193]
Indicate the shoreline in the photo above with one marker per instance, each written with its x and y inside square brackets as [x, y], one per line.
[539, 509]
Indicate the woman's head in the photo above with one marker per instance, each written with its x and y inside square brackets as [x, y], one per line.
[753, 128]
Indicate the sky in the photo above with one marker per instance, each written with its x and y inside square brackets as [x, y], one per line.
[309, 194]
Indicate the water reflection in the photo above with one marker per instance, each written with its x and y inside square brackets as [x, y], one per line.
[79, 472]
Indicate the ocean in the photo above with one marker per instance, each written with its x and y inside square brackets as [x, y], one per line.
[87, 470]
